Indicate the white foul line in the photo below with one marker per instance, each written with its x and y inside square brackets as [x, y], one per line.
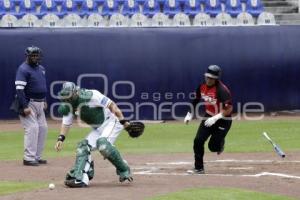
[149, 172]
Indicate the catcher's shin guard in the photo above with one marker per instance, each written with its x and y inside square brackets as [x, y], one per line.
[112, 154]
[83, 169]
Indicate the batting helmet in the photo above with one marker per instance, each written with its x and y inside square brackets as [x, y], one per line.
[213, 71]
[32, 50]
[68, 90]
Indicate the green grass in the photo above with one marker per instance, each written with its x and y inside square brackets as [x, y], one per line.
[244, 136]
[218, 194]
[13, 187]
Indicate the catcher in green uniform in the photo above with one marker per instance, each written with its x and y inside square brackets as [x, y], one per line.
[107, 122]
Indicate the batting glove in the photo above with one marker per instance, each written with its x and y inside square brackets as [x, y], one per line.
[188, 118]
[212, 120]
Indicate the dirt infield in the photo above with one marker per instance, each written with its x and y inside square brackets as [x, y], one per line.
[161, 174]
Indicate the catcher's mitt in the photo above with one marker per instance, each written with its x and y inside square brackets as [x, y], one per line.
[135, 129]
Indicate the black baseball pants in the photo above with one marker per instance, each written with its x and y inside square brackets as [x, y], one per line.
[218, 132]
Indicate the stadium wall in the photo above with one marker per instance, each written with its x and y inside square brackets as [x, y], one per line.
[148, 70]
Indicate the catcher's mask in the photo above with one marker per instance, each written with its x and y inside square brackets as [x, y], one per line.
[213, 71]
[67, 91]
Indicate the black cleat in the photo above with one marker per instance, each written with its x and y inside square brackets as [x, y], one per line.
[41, 161]
[221, 151]
[75, 184]
[30, 163]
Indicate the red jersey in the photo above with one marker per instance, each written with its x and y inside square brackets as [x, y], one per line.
[215, 98]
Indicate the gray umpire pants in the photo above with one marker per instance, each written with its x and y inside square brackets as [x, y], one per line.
[36, 129]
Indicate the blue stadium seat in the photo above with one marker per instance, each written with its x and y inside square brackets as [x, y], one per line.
[89, 6]
[37, 2]
[78, 2]
[151, 7]
[254, 7]
[233, 7]
[130, 7]
[59, 2]
[192, 7]
[16, 2]
[7, 7]
[141, 2]
[161, 3]
[48, 6]
[171, 8]
[26, 6]
[213, 7]
[110, 7]
[68, 7]
[99, 2]
[120, 2]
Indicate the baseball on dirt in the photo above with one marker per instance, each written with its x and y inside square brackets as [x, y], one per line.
[51, 186]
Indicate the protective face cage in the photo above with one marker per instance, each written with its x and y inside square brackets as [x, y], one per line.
[67, 91]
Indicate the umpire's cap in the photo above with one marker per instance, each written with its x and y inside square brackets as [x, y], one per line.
[68, 90]
[32, 50]
[213, 71]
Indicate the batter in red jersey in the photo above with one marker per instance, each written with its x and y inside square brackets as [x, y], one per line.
[217, 121]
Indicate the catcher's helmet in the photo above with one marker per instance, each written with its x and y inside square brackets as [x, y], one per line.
[213, 71]
[68, 90]
[32, 50]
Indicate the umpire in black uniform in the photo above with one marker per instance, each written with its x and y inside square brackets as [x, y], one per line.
[31, 92]
[217, 120]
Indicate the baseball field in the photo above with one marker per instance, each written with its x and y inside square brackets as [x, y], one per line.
[249, 168]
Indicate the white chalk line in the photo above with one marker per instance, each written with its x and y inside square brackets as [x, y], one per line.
[146, 170]
[149, 172]
[241, 168]
[225, 161]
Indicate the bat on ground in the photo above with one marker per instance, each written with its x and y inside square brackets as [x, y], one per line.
[276, 147]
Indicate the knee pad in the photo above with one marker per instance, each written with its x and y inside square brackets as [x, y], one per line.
[104, 147]
[112, 154]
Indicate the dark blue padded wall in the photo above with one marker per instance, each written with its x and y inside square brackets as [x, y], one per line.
[259, 64]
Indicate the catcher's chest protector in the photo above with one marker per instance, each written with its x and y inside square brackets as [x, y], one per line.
[91, 115]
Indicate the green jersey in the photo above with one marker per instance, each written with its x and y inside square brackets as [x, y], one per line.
[90, 107]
